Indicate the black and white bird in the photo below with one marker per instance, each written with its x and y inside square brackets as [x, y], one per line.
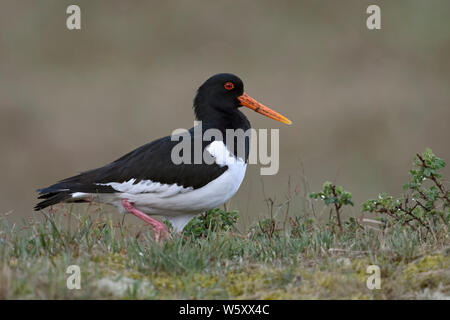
[147, 182]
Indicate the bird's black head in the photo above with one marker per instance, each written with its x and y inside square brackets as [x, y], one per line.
[222, 94]
[219, 93]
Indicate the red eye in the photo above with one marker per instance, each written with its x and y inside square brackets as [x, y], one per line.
[229, 85]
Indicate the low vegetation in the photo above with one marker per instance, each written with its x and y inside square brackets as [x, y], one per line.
[296, 257]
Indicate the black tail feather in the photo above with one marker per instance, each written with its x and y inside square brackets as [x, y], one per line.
[52, 198]
[62, 192]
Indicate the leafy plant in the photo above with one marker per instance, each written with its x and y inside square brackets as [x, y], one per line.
[426, 198]
[300, 227]
[333, 195]
[266, 227]
[211, 221]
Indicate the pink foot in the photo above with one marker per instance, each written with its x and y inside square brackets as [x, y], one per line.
[160, 228]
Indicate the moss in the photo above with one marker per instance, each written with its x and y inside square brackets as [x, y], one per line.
[116, 264]
[243, 283]
[205, 280]
[428, 272]
[13, 262]
[359, 266]
[427, 263]
[360, 296]
[262, 282]
[167, 282]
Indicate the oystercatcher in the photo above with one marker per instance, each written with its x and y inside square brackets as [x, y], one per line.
[148, 182]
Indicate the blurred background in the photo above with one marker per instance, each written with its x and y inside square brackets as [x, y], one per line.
[362, 102]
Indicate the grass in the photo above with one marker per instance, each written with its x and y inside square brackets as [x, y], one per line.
[304, 260]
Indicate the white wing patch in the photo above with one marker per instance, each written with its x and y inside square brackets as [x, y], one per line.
[80, 195]
[147, 186]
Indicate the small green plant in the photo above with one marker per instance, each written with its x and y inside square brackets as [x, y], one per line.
[353, 224]
[333, 195]
[211, 221]
[266, 227]
[426, 198]
[300, 227]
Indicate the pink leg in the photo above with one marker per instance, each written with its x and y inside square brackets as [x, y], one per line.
[160, 228]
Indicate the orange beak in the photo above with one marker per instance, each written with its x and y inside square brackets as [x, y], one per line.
[251, 103]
